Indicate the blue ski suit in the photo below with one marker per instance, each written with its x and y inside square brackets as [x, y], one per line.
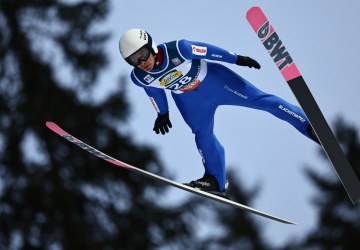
[199, 87]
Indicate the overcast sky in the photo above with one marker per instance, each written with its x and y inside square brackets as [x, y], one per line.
[262, 149]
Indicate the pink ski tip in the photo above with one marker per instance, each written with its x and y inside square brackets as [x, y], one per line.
[252, 10]
[55, 128]
[51, 125]
[270, 39]
[256, 18]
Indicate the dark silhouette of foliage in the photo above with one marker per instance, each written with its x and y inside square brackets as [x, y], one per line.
[338, 225]
[53, 194]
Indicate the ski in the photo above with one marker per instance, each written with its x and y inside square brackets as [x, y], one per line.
[55, 128]
[273, 44]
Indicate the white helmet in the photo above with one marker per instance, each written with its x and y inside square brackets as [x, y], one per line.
[134, 39]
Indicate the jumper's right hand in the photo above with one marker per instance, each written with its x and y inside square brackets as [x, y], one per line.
[162, 124]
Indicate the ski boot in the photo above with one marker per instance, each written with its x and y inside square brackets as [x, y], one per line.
[208, 183]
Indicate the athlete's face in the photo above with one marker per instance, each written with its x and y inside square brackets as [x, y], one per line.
[143, 59]
[148, 64]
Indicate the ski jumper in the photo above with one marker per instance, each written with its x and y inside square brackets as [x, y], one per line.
[199, 87]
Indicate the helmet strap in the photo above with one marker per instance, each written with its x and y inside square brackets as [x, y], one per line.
[150, 44]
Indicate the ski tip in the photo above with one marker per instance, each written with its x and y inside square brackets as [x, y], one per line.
[253, 10]
[49, 124]
[256, 18]
[53, 127]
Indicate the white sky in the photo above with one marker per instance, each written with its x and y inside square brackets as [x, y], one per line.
[262, 149]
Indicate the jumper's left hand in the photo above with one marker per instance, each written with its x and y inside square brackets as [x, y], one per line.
[247, 61]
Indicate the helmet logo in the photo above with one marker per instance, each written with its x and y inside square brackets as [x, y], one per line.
[143, 35]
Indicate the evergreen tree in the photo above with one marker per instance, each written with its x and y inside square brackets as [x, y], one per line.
[53, 194]
[338, 225]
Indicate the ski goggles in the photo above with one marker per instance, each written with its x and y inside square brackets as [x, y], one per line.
[141, 55]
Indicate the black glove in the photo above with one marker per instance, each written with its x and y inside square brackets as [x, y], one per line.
[247, 61]
[162, 124]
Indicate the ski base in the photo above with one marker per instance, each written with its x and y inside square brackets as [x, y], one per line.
[327, 139]
[55, 128]
[273, 44]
